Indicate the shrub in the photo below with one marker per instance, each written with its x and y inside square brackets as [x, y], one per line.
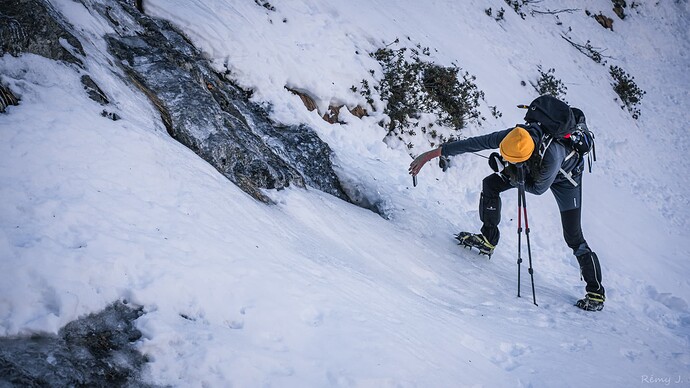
[625, 87]
[549, 84]
[593, 53]
[619, 8]
[454, 100]
[265, 4]
[516, 5]
[419, 95]
[499, 13]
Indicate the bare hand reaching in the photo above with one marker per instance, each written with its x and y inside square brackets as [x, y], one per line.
[421, 160]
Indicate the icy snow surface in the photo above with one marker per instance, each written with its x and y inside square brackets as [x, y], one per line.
[314, 291]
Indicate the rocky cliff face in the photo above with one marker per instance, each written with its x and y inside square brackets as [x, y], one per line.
[200, 108]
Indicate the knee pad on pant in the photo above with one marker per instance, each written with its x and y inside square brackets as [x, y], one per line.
[490, 210]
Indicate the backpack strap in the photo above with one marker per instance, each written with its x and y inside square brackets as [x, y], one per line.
[568, 176]
[570, 155]
[544, 144]
[592, 155]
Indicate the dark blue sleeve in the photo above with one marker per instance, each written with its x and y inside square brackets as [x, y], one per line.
[474, 144]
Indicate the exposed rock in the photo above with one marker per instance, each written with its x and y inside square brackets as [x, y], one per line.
[198, 107]
[332, 114]
[212, 116]
[307, 100]
[33, 26]
[95, 351]
[359, 112]
[605, 21]
[7, 98]
[94, 92]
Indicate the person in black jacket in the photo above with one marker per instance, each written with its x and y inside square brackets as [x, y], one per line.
[549, 165]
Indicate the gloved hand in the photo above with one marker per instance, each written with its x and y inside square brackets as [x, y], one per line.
[444, 163]
[421, 160]
[496, 162]
[510, 172]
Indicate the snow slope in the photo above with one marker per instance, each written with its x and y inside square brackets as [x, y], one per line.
[317, 292]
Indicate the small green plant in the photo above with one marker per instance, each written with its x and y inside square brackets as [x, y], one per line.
[619, 8]
[499, 13]
[594, 53]
[265, 4]
[517, 5]
[421, 97]
[549, 84]
[625, 87]
[365, 92]
[495, 112]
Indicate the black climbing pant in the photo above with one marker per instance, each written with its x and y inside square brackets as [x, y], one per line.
[568, 198]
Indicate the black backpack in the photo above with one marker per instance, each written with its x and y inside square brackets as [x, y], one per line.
[581, 139]
[555, 118]
[559, 122]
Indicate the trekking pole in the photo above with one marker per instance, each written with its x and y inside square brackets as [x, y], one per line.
[522, 209]
[519, 229]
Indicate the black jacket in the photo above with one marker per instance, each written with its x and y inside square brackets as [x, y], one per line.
[543, 171]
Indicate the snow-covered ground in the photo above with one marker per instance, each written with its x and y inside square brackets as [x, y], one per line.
[314, 291]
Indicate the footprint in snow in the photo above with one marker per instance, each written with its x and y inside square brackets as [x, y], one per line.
[508, 356]
[577, 346]
[312, 317]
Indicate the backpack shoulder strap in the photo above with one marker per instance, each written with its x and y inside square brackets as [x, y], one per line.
[544, 144]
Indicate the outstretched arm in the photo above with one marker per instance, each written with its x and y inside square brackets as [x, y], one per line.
[472, 144]
[421, 160]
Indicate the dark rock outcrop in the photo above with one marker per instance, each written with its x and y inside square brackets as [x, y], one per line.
[211, 115]
[7, 98]
[199, 107]
[94, 351]
[33, 26]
